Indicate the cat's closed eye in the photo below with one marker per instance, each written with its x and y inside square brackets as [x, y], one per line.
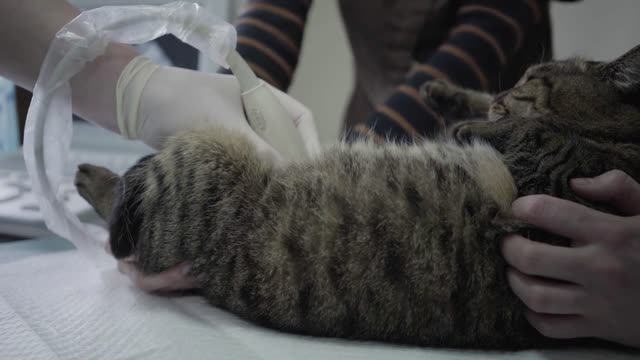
[529, 99]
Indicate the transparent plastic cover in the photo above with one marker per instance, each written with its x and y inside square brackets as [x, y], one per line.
[48, 130]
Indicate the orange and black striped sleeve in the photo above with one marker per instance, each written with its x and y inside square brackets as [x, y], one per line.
[486, 34]
[269, 38]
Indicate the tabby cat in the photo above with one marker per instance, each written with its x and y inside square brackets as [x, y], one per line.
[388, 242]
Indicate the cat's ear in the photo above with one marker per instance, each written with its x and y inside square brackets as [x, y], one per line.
[624, 72]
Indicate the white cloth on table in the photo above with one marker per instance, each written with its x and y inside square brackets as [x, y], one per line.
[60, 306]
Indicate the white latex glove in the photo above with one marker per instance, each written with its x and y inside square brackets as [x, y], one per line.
[155, 102]
[151, 103]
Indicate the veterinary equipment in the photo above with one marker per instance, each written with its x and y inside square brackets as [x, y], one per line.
[8, 116]
[20, 215]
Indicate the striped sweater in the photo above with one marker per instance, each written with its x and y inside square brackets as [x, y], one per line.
[483, 38]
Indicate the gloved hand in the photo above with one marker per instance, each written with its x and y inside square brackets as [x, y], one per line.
[155, 102]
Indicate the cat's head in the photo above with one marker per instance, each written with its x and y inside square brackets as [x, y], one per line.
[587, 96]
[117, 200]
[566, 119]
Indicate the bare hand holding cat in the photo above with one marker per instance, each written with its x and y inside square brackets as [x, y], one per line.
[593, 288]
[173, 279]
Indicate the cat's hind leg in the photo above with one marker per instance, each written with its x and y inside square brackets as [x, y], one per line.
[97, 185]
[455, 103]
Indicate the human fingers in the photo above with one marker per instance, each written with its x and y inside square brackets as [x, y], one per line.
[614, 187]
[574, 221]
[546, 296]
[539, 259]
[172, 279]
[560, 326]
[303, 120]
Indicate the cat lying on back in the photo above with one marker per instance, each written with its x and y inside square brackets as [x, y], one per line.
[394, 243]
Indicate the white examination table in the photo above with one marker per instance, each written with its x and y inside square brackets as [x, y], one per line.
[55, 305]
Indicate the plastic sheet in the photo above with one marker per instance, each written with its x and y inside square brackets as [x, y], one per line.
[48, 129]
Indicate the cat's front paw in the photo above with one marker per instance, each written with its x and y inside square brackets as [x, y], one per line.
[496, 134]
[462, 132]
[442, 96]
[455, 103]
[465, 132]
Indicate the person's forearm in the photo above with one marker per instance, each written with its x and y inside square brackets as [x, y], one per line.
[269, 38]
[94, 88]
[482, 42]
[26, 30]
